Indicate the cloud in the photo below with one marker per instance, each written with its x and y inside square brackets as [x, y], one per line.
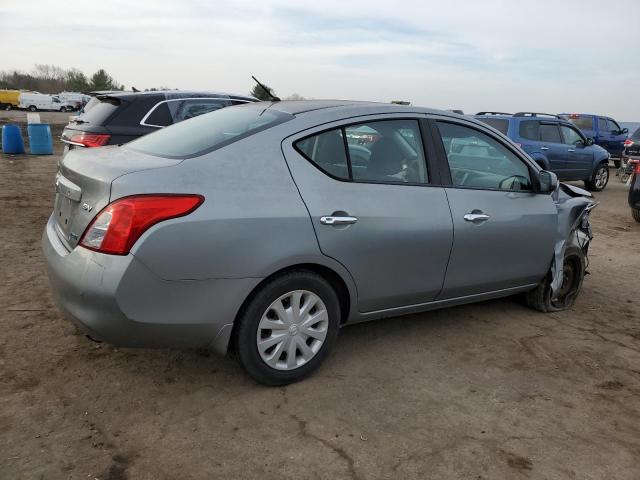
[496, 54]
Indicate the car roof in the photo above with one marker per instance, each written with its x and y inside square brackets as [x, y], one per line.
[349, 107]
[171, 94]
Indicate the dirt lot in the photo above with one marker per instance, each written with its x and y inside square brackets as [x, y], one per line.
[485, 391]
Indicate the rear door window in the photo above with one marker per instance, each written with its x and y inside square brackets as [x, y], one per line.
[477, 160]
[530, 129]
[326, 151]
[382, 151]
[500, 124]
[550, 133]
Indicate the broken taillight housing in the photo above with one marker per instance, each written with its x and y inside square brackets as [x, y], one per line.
[119, 225]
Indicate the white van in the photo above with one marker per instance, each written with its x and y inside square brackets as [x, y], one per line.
[35, 101]
[77, 100]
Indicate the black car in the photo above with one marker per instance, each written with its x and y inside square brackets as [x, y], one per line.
[113, 118]
[632, 155]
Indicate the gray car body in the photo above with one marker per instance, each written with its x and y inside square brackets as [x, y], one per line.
[186, 279]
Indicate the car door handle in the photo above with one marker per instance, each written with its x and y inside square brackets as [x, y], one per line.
[476, 217]
[571, 150]
[544, 148]
[330, 220]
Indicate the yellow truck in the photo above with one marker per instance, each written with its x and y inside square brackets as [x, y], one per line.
[9, 99]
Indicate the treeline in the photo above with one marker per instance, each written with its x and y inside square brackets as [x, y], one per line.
[53, 79]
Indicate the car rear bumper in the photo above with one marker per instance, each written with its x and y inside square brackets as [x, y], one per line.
[117, 299]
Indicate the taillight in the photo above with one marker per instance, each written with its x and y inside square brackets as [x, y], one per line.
[90, 139]
[636, 167]
[119, 225]
[628, 142]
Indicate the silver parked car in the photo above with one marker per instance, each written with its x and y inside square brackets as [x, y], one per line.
[266, 227]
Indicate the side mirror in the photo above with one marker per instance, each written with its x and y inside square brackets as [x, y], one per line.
[590, 141]
[548, 181]
[625, 131]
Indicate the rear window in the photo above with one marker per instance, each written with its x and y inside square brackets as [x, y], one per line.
[499, 124]
[101, 110]
[208, 132]
[583, 122]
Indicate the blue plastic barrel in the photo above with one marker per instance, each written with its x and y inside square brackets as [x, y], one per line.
[12, 139]
[40, 142]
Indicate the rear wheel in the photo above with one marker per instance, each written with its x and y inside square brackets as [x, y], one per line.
[635, 213]
[287, 328]
[33, 108]
[8, 107]
[572, 276]
[599, 178]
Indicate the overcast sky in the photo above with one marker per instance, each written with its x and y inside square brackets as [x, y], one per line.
[550, 56]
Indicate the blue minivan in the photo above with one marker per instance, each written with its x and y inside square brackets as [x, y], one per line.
[555, 144]
[605, 132]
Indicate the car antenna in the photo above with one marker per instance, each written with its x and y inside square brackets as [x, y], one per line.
[273, 97]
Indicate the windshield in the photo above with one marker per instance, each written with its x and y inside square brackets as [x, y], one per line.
[202, 134]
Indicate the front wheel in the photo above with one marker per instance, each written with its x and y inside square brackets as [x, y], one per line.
[573, 270]
[33, 108]
[635, 213]
[287, 328]
[599, 178]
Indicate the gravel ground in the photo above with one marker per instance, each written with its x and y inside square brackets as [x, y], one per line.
[485, 391]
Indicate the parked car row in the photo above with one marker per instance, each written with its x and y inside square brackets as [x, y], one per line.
[604, 131]
[34, 101]
[631, 155]
[556, 144]
[113, 118]
[265, 227]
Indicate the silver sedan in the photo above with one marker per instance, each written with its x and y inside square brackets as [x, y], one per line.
[267, 227]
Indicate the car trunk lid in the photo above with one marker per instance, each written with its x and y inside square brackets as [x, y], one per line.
[83, 185]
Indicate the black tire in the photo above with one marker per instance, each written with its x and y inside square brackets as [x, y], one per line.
[33, 108]
[635, 213]
[246, 329]
[8, 107]
[593, 184]
[617, 163]
[573, 273]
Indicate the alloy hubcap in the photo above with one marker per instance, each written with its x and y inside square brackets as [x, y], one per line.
[601, 177]
[292, 330]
